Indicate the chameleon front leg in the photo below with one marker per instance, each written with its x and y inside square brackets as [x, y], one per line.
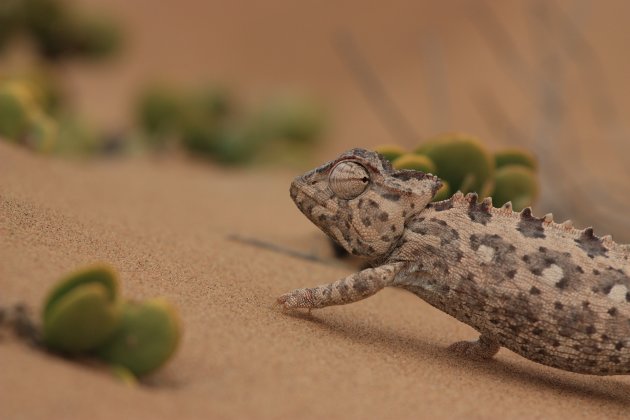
[353, 288]
[484, 348]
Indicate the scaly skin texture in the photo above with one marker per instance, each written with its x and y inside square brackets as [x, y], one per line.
[551, 293]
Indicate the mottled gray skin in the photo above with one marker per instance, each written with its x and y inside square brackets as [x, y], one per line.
[553, 294]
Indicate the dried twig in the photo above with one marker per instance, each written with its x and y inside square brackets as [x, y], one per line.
[373, 89]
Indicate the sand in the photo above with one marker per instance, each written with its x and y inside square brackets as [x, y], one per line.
[164, 226]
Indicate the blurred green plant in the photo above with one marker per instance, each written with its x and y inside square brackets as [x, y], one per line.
[84, 313]
[32, 107]
[208, 123]
[57, 30]
[147, 336]
[464, 164]
[461, 160]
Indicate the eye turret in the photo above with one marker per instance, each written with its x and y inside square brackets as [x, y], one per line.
[348, 180]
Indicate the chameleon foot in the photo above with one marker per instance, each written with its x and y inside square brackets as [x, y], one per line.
[483, 349]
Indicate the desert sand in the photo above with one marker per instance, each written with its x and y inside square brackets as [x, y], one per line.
[164, 224]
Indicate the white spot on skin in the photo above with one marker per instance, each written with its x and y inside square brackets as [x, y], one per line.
[553, 274]
[618, 293]
[486, 253]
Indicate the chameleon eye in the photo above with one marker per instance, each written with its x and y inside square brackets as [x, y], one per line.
[348, 180]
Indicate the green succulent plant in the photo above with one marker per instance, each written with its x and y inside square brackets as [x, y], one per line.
[515, 157]
[390, 151]
[515, 183]
[460, 160]
[159, 112]
[146, 338]
[17, 107]
[124, 375]
[293, 119]
[415, 162]
[59, 32]
[42, 134]
[82, 310]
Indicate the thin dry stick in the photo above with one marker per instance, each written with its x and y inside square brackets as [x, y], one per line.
[373, 89]
[498, 37]
[552, 106]
[281, 249]
[436, 82]
[498, 120]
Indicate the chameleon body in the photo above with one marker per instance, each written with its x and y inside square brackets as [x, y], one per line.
[551, 293]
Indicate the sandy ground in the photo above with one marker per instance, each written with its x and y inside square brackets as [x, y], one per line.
[163, 224]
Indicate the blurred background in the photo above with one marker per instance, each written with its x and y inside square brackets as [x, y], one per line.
[294, 83]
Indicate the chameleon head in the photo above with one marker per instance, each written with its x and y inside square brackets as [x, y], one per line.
[361, 202]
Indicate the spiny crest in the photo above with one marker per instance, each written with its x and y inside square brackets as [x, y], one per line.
[526, 213]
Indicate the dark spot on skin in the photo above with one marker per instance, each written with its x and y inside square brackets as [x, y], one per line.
[555, 343]
[585, 304]
[385, 238]
[596, 272]
[604, 337]
[614, 359]
[537, 331]
[534, 290]
[439, 221]
[443, 205]
[537, 262]
[619, 345]
[530, 226]
[407, 174]
[412, 205]
[361, 287]
[590, 330]
[580, 269]
[393, 228]
[391, 196]
[511, 274]
[383, 217]
[563, 283]
[366, 222]
[612, 311]
[542, 249]
[591, 244]
[558, 305]
[611, 278]
[504, 254]
[479, 212]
